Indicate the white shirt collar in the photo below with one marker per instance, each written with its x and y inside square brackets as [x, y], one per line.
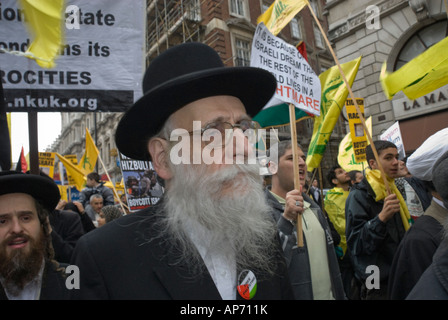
[439, 202]
[221, 265]
[31, 291]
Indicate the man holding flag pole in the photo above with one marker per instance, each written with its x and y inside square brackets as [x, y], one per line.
[278, 15]
[275, 18]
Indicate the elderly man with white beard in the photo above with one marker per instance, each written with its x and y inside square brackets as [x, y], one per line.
[211, 236]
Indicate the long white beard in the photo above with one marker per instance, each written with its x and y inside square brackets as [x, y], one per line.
[231, 205]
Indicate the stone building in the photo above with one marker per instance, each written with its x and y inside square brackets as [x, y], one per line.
[101, 125]
[228, 27]
[394, 31]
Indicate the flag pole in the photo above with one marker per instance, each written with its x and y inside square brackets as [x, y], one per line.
[295, 155]
[33, 142]
[113, 186]
[321, 185]
[352, 96]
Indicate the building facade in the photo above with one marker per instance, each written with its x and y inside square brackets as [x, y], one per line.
[228, 27]
[101, 125]
[395, 32]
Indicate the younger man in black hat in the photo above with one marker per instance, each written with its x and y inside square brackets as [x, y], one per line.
[27, 268]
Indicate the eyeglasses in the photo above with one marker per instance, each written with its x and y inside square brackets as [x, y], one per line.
[220, 133]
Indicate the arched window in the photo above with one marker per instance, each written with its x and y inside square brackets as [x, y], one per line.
[420, 41]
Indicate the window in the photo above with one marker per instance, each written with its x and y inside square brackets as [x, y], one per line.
[318, 41]
[421, 41]
[315, 7]
[295, 28]
[237, 7]
[265, 7]
[194, 10]
[242, 48]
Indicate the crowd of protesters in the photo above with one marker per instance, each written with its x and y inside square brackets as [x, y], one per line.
[218, 231]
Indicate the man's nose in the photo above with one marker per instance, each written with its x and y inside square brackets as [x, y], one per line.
[241, 143]
[16, 226]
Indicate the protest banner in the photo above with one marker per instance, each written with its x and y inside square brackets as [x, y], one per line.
[297, 83]
[46, 163]
[140, 183]
[346, 156]
[64, 174]
[393, 134]
[357, 133]
[99, 68]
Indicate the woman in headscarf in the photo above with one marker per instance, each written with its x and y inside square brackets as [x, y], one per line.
[107, 214]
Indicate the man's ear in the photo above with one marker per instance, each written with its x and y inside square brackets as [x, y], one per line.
[272, 167]
[158, 149]
[334, 183]
[372, 164]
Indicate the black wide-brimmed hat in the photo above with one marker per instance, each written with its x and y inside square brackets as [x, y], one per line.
[179, 76]
[43, 189]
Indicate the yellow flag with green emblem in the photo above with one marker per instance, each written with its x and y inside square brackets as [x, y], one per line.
[334, 94]
[278, 15]
[88, 160]
[335, 207]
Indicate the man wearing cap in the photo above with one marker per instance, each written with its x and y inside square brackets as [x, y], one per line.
[211, 235]
[27, 268]
[433, 284]
[417, 248]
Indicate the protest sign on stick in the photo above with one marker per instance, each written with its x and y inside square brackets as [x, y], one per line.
[359, 140]
[393, 134]
[297, 85]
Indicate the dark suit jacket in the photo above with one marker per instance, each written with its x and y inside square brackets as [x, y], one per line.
[67, 229]
[122, 260]
[53, 285]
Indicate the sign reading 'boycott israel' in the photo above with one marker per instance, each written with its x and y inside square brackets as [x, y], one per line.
[142, 187]
[296, 81]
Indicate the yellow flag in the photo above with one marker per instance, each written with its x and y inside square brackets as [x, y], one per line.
[88, 160]
[346, 156]
[77, 174]
[335, 207]
[278, 15]
[44, 21]
[334, 94]
[63, 192]
[422, 75]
